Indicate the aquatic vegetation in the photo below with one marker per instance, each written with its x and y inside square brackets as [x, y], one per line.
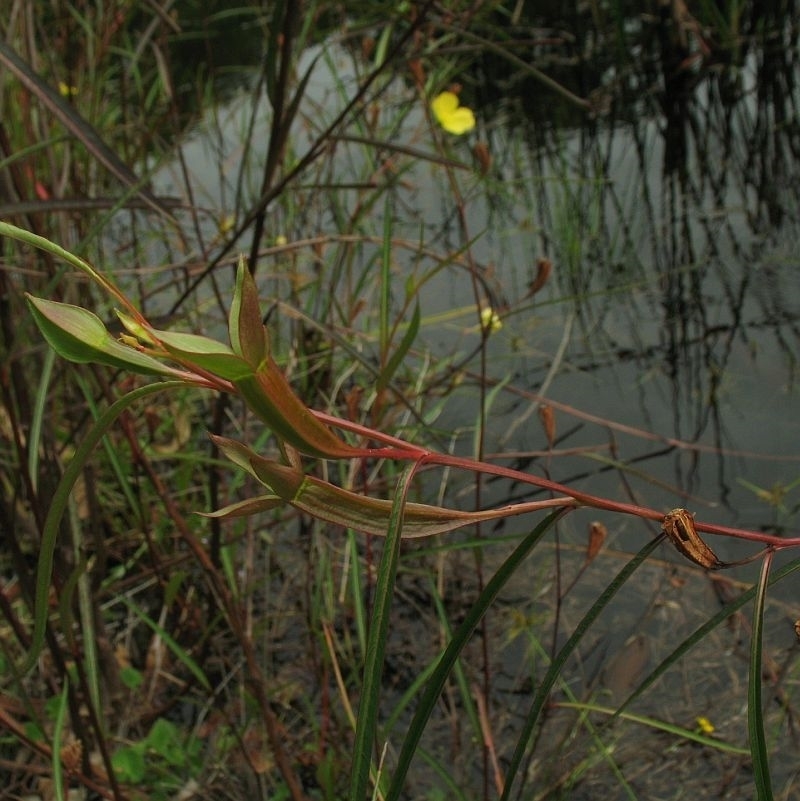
[317, 520]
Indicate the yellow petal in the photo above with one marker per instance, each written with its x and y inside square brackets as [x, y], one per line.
[453, 118]
[705, 725]
[490, 319]
[65, 90]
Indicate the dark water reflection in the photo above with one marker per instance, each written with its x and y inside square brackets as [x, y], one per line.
[672, 223]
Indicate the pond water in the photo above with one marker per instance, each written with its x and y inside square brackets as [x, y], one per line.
[674, 298]
[666, 339]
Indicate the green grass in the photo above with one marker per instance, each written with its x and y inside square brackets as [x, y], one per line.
[276, 655]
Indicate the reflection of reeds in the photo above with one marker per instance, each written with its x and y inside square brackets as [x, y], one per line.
[377, 244]
[656, 214]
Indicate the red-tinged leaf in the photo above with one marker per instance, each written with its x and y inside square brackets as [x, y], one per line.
[251, 506]
[80, 336]
[236, 452]
[284, 480]
[326, 501]
[271, 397]
[248, 335]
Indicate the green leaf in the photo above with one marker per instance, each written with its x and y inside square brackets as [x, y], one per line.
[136, 328]
[129, 764]
[80, 336]
[131, 677]
[58, 505]
[248, 334]
[367, 722]
[397, 357]
[193, 350]
[165, 739]
[755, 714]
[6, 229]
[58, 732]
[432, 693]
[545, 686]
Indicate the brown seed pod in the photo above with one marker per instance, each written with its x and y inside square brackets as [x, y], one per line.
[678, 525]
[548, 420]
[543, 269]
[597, 536]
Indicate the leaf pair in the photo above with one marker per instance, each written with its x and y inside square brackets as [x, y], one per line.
[325, 501]
[245, 366]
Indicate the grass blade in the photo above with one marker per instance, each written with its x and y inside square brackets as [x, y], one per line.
[755, 715]
[543, 691]
[694, 638]
[366, 724]
[44, 569]
[181, 654]
[58, 742]
[655, 723]
[448, 658]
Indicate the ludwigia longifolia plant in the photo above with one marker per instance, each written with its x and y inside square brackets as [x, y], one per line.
[245, 367]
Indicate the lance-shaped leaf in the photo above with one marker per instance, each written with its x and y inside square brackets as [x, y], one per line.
[191, 350]
[249, 337]
[203, 352]
[326, 501]
[80, 336]
[267, 392]
[246, 508]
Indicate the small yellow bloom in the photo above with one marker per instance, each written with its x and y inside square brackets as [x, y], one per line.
[490, 319]
[65, 90]
[281, 241]
[227, 223]
[705, 725]
[453, 118]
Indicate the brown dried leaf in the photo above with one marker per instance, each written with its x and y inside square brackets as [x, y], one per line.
[416, 69]
[548, 419]
[597, 536]
[543, 270]
[71, 754]
[258, 755]
[678, 525]
[482, 156]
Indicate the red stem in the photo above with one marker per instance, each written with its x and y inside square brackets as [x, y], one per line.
[399, 449]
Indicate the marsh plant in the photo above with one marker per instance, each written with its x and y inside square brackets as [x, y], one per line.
[246, 368]
[254, 541]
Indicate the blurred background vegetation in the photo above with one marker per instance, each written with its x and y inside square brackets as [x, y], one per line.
[626, 207]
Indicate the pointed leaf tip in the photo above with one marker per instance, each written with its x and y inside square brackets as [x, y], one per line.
[247, 333]
[80, 336]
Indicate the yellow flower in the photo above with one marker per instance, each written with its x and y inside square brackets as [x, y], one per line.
[65, 90]
[705, 725]
[490, 319]
[453, 118]
[226, 223]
